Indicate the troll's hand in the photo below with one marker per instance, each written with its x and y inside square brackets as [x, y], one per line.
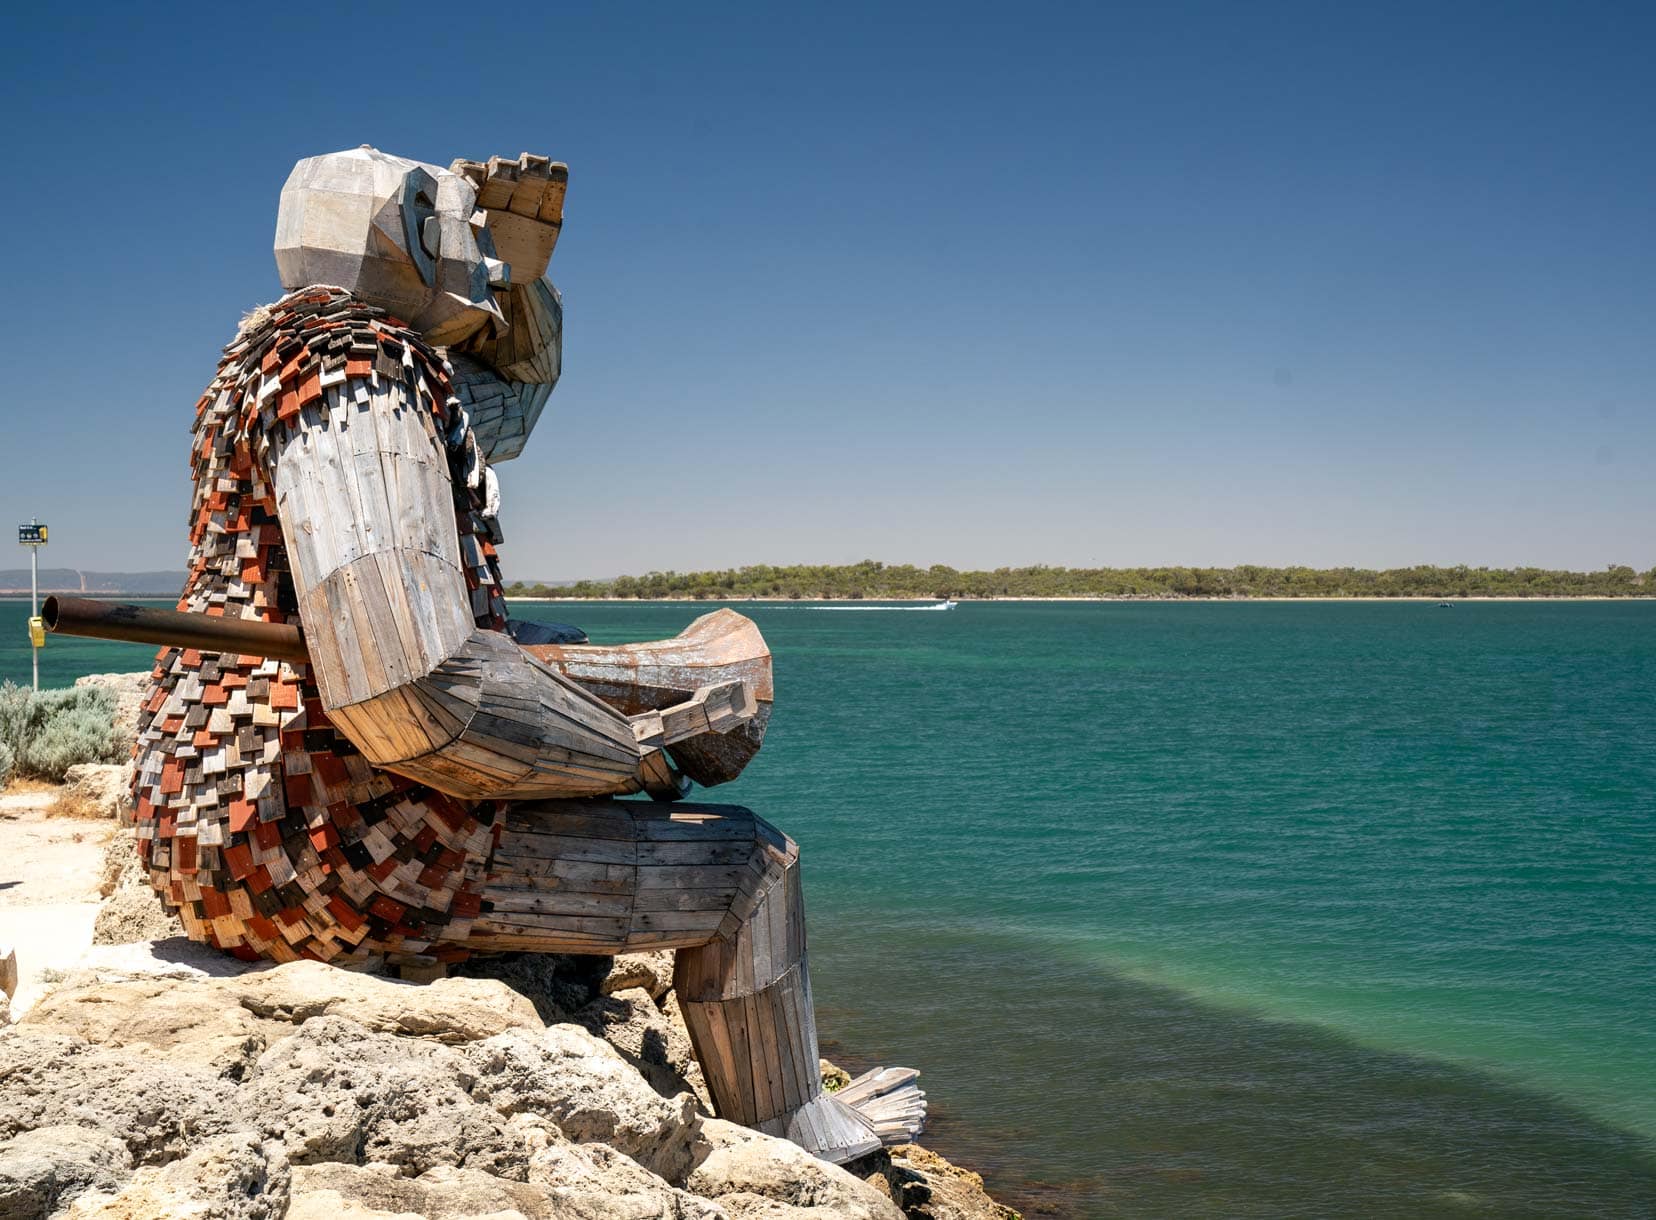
[523, 201]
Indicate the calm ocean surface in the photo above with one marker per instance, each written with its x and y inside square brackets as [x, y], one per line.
[1223, 909]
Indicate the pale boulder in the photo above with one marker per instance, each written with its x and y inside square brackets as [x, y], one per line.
[182, 1020]
[654, 1040]
[651, 971]
[349, 1192]
[595, 1182]
[752, 1175]
[227, 1177]
[590, 1092]
[45, 1169]
[132, 911]
[160, 1110]
[334, 1091]
[107, 787]
[453, 1011]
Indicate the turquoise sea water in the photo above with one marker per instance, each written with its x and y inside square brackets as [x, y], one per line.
[1206, 909]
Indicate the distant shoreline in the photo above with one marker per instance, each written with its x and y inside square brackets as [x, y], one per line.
[931, 601]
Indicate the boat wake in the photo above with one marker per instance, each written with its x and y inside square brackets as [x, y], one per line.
[900, 609]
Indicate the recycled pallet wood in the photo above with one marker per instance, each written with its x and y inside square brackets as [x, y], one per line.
[420, 786]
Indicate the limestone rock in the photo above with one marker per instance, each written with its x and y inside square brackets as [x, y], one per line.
[178, 1019]
[132, 911]
[927, 1187]
[650, 1039]
[590, 1092]
[104, 786]
[8, 970]
[651, 971]
[834, 1077]
[453, 1010]
[334, 1091]
[160, 1110]
[348, 1192]
[752, 1175]
[44, 1169]
[226, 1177]
[558, 984]
[165, 1079]
[595, 1182]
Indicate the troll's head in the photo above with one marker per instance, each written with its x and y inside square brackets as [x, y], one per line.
[396, 233]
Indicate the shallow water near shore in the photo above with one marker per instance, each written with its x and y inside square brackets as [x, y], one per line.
[1222, 909]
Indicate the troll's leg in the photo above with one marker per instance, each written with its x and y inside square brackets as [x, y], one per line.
[746, 997]
[722, 887]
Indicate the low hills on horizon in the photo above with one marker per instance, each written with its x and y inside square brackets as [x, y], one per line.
[14, 581]
[873, 580]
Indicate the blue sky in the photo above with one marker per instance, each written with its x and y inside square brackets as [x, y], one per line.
[980, 285]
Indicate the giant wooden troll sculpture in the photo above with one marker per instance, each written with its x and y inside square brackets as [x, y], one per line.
[432, 783]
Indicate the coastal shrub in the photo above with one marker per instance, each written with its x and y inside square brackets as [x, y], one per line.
[14, 712]
[6, 760]
[47, 732]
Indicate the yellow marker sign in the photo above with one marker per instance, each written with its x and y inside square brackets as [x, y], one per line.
[37, 632]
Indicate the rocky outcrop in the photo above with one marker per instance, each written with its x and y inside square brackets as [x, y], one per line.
[226, 1177]
[927, 1187]
[652, 1038]
[103, 787]
[131, 911]
[307, 1090]
[652, 972]
[163, 1078]
[753, 1176]
[41, 1167]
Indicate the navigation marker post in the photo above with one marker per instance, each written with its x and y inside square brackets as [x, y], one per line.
[33, 536]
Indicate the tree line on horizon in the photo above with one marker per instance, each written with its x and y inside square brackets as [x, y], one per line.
[871, 579]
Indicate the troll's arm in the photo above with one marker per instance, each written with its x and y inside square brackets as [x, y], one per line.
[363, 491]
[505, 382]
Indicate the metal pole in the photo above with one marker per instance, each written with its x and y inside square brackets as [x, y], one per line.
[34, 602]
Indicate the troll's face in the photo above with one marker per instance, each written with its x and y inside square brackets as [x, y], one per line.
[395, 233]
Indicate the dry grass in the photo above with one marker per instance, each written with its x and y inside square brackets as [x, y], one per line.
[30, 787]
[73, 804]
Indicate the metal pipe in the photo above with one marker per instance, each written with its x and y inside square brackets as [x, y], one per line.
[716, 649]
[174, 628]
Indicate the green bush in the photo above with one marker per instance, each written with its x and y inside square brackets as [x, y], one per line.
[47, 732]
[6, 761]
